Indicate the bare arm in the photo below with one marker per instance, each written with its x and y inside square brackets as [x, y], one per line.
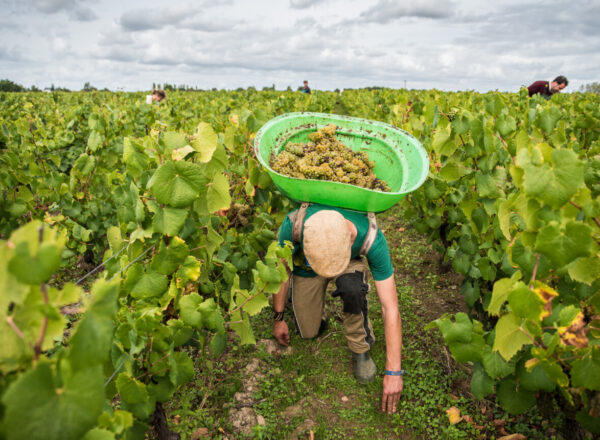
[392, 385]
[280, 328]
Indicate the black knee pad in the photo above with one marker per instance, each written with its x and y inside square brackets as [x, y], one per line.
[352, 288]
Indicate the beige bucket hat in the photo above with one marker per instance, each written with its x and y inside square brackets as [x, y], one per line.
[327, 243]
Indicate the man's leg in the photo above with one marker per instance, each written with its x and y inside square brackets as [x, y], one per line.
[357, 326]
[352, 287]
[308, 296]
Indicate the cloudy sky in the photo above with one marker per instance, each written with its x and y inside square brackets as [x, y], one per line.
[443, 44]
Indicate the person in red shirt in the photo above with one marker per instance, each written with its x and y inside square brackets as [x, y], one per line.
[547, 89]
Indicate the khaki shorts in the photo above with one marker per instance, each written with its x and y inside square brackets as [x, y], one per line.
[308, 301]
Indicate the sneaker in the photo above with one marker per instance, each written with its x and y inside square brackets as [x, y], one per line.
[363, 366]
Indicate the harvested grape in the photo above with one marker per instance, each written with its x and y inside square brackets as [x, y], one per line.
[326, 158]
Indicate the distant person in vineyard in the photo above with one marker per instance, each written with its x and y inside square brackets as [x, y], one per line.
[305, 88]
[546, 88]
[157, 95]
[332, 244]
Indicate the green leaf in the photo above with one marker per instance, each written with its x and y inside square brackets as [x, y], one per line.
[169, 258]
[500, 293]
[468, 244]
[586, 372]
[554, 183]
[41, 405]
[161, 389]
[99, 433]
[486, 186]
[134, 157]
[585, 270]
[188, 310]
[461, 264]
[34, 262]
[458, 331]
[468, 352]
[515, 401]
[218, 163]
[562, 245]
[94, 141]
[434, 188]
[213, 240]
[204, 141]
[450, 172]
[117, 422]
[590, 423]
[217, 196]
[268, 274]
[92, 339]
[131, 390]
[174, 140]
[471, 292]
[495, 366]
[177, 184]
[505, 125]
[169, 221]
[535, 380]
[253, 302]
[241, 325]
[150, 285]
[115, 240]
[487, 269]
[460, 125]
[510, 336]
[12, 290]
[441, 143]
[481, 384]
[218, 343]
[182, 368]
[525, 303]
[211, 315]
[85, 164]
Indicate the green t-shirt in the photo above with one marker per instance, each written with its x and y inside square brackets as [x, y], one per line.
[378, 257]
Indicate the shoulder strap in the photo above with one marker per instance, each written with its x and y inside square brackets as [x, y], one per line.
[297, 218]
[371, 235]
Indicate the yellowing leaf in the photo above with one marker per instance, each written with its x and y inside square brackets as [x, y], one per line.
[513, 437]
[531, 363]
[454, 415]
[180, 153]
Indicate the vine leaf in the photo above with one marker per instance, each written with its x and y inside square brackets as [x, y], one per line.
[176, 184]
[564, 244]
[54, 403]
[204, 141]
[554, 183]
[510, 336]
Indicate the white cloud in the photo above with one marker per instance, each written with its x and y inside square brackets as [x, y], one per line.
[386, 11]
[332, 43]
[76, 9]
[303, 4]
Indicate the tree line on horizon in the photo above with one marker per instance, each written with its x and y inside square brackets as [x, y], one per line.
[7, 85]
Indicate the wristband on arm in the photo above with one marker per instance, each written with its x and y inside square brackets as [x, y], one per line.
[395, 373]
[277, 316]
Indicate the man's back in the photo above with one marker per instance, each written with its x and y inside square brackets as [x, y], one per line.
[541, 87]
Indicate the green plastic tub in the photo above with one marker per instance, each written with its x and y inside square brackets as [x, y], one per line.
[399, 158]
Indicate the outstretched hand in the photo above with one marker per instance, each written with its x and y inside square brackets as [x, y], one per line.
[281, 332]
[392, 390]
